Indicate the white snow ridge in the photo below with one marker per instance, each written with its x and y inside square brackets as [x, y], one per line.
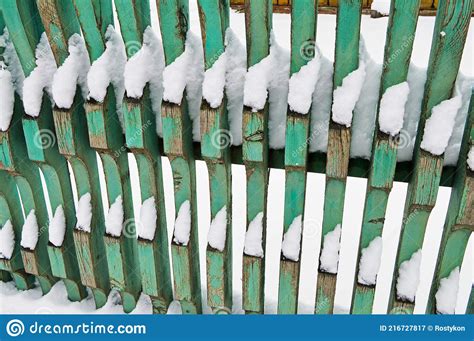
[148, 215]
[7, 240]
[84, 213]
[73, 72]
[40, 79]
[187, 72]
[470, 158]
[447, 293]
[146, 66]
[114, 219]
[217, 232]
[292, 240]
[108, 69]
[370, 262]
[409, 277]
[346, 96]
[29, 233]
[302, 85]
[253, 237]
[182, 224]
[392, 108]
[329, 258]
[7, 95]
[57, 227]
[439, 127]
[214, 82]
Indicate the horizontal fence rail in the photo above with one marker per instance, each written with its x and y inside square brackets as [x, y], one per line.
[95, 89]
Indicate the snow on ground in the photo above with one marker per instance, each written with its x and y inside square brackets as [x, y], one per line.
[329, 258]
[71, 73]
[57, 227]
[182, 224]
[114, 218]
[447, 293]
[29, 232]
[291, 244]
[40, 79]
[217, 231]
[409, 277]
[254, 237]
[7, 240]
[148, 216]
[370, 262]
[84, 213]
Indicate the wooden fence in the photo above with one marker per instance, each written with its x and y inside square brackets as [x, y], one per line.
[91, 257]
[425, 4]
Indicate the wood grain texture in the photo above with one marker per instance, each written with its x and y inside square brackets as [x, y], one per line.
[398, 48]
[446, 50]
[215, 148]
[303, 35]
[346, 60]
[459, 223]
[258, 23]
[107, 138]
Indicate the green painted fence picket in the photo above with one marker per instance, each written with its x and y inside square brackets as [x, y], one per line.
[78, 137]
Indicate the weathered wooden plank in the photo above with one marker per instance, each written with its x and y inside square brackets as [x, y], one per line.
[12, 268]
[303, 32]
[258, 21]
[15, 156]
[459, 223]
[398, 49]
[215, 149]
[60, 22]
[346, 60]
[107, 138]
[39, 135]
[177, 135]
[141, 138]
[452, 22]
[10, 210]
